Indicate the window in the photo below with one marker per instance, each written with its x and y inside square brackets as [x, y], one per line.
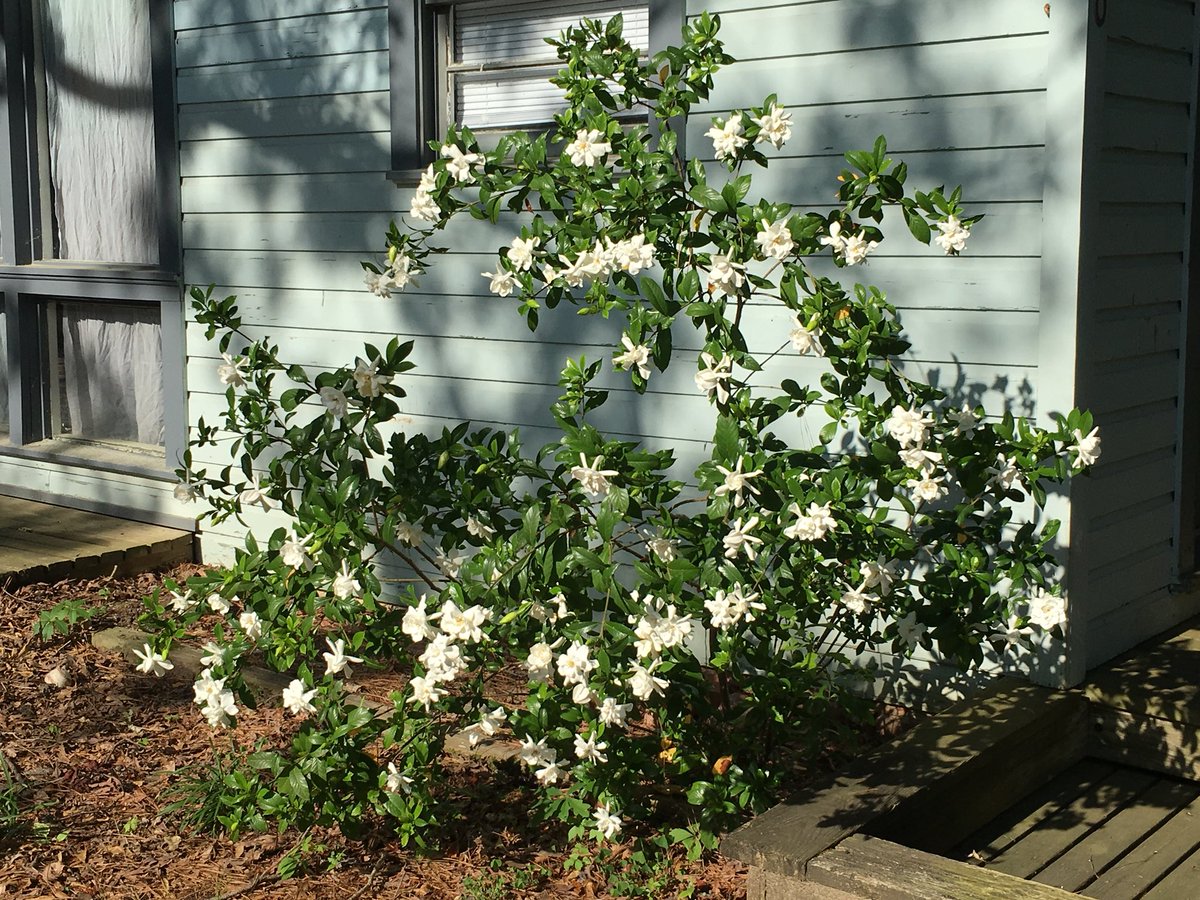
[92, 364]
[484, 63]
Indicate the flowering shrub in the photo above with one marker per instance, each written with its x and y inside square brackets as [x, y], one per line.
[682, 634]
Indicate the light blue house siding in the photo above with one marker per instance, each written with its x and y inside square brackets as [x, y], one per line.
[284, 129]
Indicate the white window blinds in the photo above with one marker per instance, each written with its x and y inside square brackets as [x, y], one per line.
[499, 63]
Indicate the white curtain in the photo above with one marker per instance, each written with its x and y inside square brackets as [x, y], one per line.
[112, 357]
[3, 372]
[100, 120]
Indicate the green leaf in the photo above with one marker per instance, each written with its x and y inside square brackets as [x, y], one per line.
[727, 439]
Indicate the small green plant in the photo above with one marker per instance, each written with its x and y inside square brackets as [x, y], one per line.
[60, 619]
[18, 819]
[502, 880]
[216, 795]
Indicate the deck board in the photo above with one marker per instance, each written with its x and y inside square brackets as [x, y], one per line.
[42, 542]
[1146, 863]
[1181, 883]
[1069, 824]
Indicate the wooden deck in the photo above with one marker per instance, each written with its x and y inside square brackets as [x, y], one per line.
[1103, 830]
[40, 542]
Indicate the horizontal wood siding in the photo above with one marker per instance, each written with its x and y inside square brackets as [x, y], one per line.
[1131, 321]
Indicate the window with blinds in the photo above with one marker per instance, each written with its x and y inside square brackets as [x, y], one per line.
[497, 63]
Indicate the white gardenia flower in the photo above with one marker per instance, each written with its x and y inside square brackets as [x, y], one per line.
[550, 771]
[397, 782]
[712, 379]
[218, 604]
[812, 525]
[607, 823]
[614, 714]
[415, 623]
[1086, 449]
[539, 663]
[520, 254]
[856, 247]
[408, 533]
[724, 275]
[573, 272]
[214, 654]
[345, 585]
[543, 613]
[251, 624]
[655, 631]
[662, 547]
[336, 660]
[181, 603]
[575, 665]
[230, 371]
[775, 126]
[534, 753]
[952, 236]
[487, 726]
[644, 683]
[1005, 473]
[428, 180]
[378, 284]
[633, 255]
[443, 660]
[464, 625]
[635, 356]
[451, 563]
[857, 600]
[256, 495]
[964, 420]
[297, 700]
[293, 553]
[736, 482]
[728, 608]
[402, 272]
[334, 401]
[592, 479]
[502, 281]
[806, 338]
[185, 492]
[587, 149]
[590, 750]
[924, 461]
[424, 207]
[926, 489]
[367, 379]
[740, 540]
[479, 529]
[1013, 633]
[727, 138]
[879, 574]
[775, 241]
[909, 630]
[425, 691]
[910, 427]
[207, 688]
[460, 164]
[834, 240]
[1047, 610]
[220, 710]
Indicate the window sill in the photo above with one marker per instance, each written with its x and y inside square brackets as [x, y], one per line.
[118, 457]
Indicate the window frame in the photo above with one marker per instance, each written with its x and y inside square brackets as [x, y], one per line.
[27, 281]
[414, 41]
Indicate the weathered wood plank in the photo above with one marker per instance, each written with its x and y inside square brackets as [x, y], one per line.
[1064, 827]
[1137, 70]
[1096, 852]
[1129, 877]
[1181, 883]
[326, 34]
[278, 117]
[1027, 813]
[1162, 680]
[1132, 123]
[975, 733]
[1149, 742]
[882, 870]
[1160, 23]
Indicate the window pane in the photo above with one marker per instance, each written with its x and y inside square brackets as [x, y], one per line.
[99, 129]
[493, 33]
[107, 362]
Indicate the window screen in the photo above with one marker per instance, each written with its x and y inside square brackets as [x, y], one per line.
[499, 63]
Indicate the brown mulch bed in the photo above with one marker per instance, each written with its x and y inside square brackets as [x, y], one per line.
[95, 762]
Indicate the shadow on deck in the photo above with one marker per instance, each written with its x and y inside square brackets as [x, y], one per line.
[1021, 792]
[40, 542]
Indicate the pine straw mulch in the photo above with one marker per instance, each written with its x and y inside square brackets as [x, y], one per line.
[94, 763]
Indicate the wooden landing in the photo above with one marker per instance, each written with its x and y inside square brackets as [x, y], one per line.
[40, 542]
[1102, 830]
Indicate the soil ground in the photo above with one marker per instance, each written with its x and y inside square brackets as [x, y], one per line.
[92, 765]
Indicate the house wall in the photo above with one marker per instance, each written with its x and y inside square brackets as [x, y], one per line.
[284, 128]
[1138, 218]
